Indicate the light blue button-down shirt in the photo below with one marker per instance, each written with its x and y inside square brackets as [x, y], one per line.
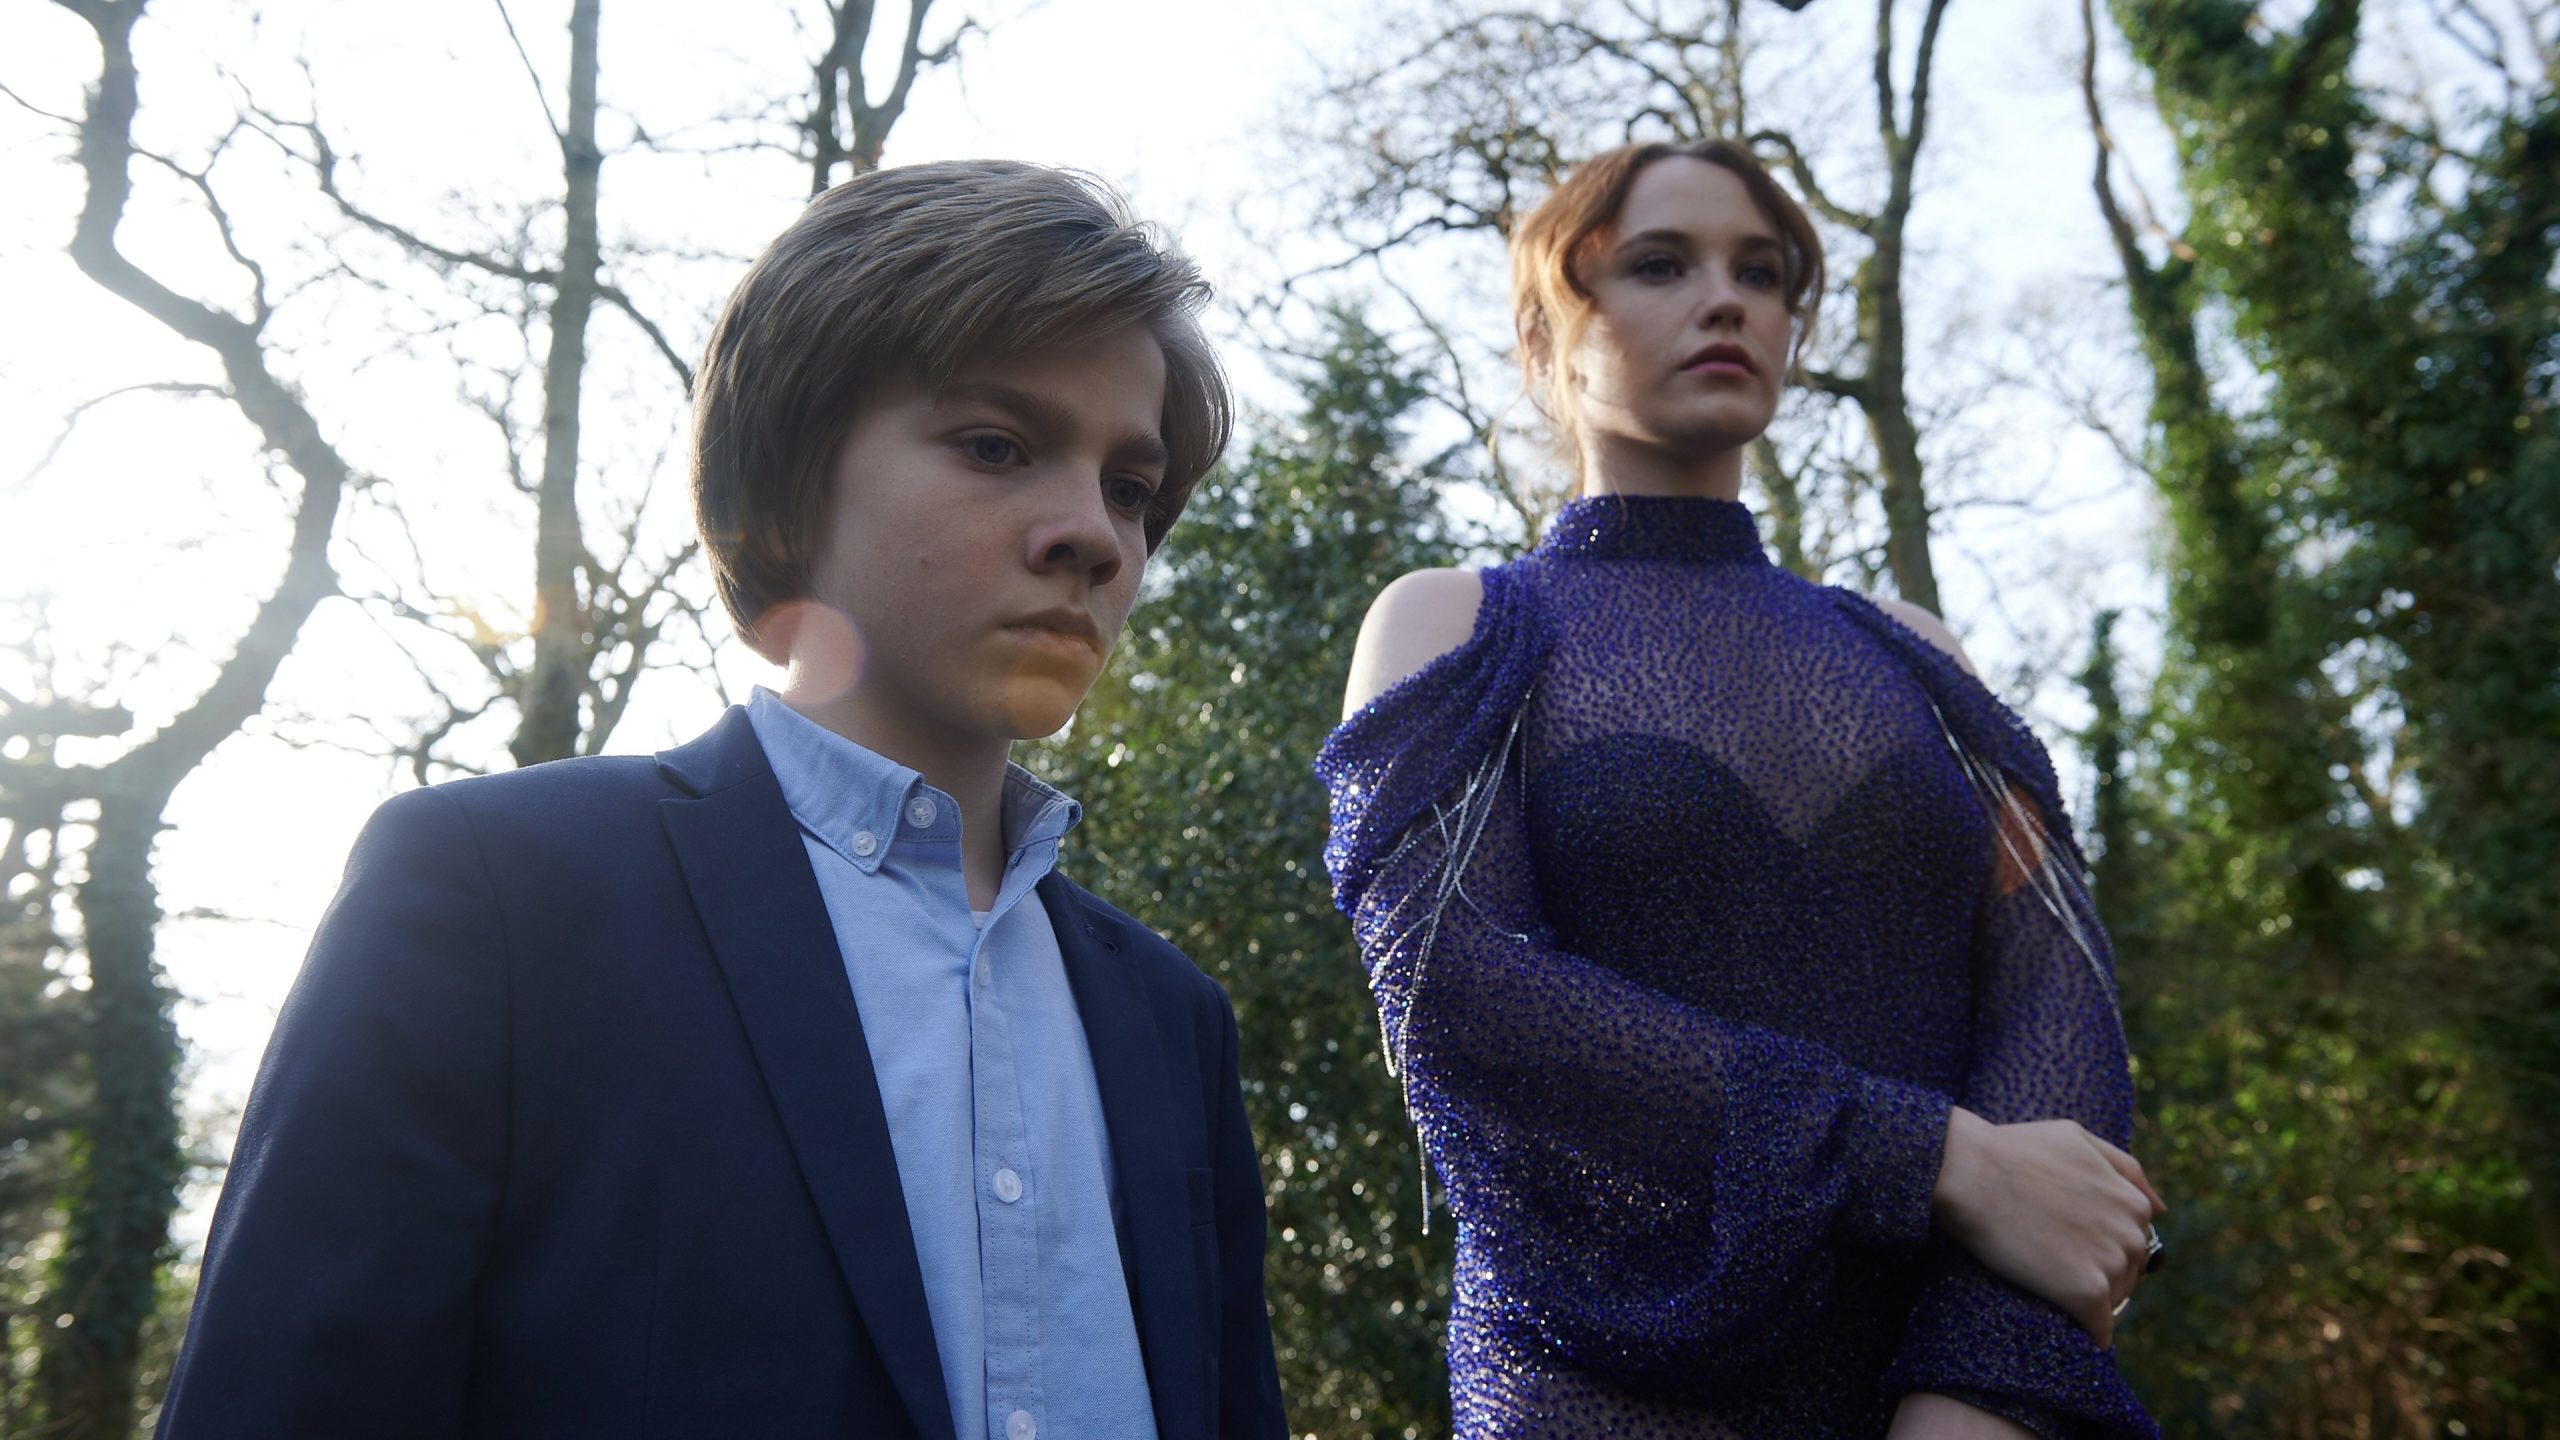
[993, 1112]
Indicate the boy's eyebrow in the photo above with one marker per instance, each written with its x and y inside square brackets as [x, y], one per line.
[1047, 414]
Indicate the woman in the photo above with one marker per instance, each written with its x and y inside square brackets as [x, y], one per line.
[1764, 1044]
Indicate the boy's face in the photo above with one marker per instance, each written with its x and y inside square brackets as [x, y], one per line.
[986, 541]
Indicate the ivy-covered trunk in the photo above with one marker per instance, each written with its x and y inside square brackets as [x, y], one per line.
[2411, 376]
[127, 1163]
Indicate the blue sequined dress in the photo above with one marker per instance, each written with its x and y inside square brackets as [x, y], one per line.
[1692, 894]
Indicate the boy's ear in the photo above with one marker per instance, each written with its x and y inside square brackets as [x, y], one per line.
[817, 646]
[770, 637]
[760, 640]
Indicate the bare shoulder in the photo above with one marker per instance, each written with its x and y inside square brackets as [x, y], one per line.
[1927, 626]
[1414, 621]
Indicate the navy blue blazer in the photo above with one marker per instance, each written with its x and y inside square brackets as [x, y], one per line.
[569, 1129]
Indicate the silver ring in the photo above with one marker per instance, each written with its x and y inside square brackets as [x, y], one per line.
[2154, 1248]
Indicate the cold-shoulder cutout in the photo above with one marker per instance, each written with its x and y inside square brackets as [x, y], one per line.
[1418, 618]
[1928, 627]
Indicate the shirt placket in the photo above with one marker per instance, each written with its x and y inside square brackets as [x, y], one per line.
[1008, 1201]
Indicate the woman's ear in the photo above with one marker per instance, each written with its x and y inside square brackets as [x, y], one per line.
[1537, 353]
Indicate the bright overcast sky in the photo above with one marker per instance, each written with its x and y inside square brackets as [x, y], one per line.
[152, 527]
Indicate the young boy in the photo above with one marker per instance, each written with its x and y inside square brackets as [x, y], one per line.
[780, 1085]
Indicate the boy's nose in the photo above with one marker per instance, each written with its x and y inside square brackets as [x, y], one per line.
[1079, 534]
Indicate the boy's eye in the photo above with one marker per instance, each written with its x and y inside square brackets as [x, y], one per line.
[1128, 492]
[991, 449]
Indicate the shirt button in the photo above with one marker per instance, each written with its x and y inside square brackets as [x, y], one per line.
[864, 842]
[920, 811]
[1020, 1426]
[1008, 1190]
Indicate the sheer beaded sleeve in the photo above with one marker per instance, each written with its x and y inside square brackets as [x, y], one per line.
[1659, 1194]
[2047, 1044]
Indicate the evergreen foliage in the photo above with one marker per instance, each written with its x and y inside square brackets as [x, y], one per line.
[41, 1093]
[1203, 819]
[2332, 893]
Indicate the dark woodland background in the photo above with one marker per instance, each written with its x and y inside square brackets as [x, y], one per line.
[2321, 794]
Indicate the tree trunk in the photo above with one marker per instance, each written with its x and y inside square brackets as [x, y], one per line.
[126, 1165]
[1786, 508]
[123, 1193]
[563, 643]
[1880, 320]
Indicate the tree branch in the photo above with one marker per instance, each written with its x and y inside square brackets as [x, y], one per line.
[323, 161]
[71, 421]
[539, 93]
[1922, 66]
[283, 422]
[1793, 158]
[1852, 388]
[1888, 124]
[2137, 267]
[614, 296]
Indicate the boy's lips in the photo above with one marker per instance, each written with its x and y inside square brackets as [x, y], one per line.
[1061, 627]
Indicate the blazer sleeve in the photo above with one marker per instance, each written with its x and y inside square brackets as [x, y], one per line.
[1249, 1404]
[335, 1296]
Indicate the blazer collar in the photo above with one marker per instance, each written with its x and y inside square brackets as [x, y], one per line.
[1129, 1048]
[743, 861]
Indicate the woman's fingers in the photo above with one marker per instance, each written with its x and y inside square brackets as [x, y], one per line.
[2052, 1209]
[2099, 1318]
[2130, 1169]
[2137, 1249]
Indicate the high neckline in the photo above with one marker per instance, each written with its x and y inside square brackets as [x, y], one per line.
[1655, 527]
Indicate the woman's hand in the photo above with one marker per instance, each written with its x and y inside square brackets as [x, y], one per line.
[2050, 1208]
[1937, 1417]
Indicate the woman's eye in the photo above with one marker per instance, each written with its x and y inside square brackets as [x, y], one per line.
[1761, 277]
[994, 450]
[1127, 492]
[1654, 267]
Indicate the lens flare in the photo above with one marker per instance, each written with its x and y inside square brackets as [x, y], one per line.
[820, 645]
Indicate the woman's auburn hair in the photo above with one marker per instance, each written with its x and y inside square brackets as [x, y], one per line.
[1551, 305]
[906, 275]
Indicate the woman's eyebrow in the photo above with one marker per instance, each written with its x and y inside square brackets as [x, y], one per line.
[1668, 239]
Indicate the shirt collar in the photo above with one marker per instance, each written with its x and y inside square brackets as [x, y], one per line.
[841, 791]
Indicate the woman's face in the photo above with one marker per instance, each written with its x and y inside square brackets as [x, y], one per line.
[1687, 341]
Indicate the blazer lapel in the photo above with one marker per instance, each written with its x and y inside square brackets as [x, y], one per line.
[1137, 1090]
[751, 882]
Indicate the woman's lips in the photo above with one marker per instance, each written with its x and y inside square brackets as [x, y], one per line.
[1720, 360]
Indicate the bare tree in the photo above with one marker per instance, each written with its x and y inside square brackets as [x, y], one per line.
[123, 1182]
[1477, 109]
[603, 598]
[846, 128]
[602, 601]
[597, 609]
